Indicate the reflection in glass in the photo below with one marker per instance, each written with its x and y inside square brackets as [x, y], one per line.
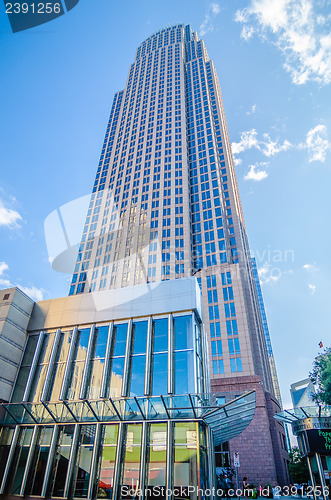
[160, 335]
[95, 380]
[38, 383]
[185, 464]
[138, 365]
[139, 334]
[120, 333]
[6, 436]
[17, 469]
[157, 455]
[56, 381]
[76, 378]
[184, 372]
[82, 344]
[83, 461]
[183, 332]
[108, 457]
[116, 377]
[131, 462]
[61, 460]
[101, 342]
[160, 374]
[38, 467]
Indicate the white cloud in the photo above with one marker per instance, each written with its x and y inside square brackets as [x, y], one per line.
[252, 110]
[267, 146]
[298, 30]
[310, 267]
[3, 267]
[316, 143]
[207, 25]
[248, 140]
[268, 274]
[8, 217]
[33, 292]
[312, 288]
[271, 148]
[255, 175]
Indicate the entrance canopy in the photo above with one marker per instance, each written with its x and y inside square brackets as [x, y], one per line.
[226, 421]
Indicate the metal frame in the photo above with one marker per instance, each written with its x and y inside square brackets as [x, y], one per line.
[51, 365]
[87, 366]
[170, 354]
[103, 391]
[29, 460]
[33, 366]
[127, 361]
[49, 465]
[67, 371]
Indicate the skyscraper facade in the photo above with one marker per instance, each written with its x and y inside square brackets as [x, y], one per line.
[165, 205]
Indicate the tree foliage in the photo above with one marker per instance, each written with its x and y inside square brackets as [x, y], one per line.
[321, 376]
[298, 468]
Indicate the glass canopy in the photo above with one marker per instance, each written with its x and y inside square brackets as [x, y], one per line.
[290, 416]
[226, 420]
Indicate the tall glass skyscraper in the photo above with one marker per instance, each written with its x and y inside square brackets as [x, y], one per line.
[165, 205]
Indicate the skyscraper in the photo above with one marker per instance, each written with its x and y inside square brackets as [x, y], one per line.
[165, 204]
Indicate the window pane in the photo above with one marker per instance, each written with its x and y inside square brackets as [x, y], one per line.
[157, 455]
[120, 339]
[61, 460]
[160, 327]
[138, 375]
[139, 337]
[56, 381]
[38, 383]
[82, 344]
[185, 466]
[101, 342]
[6, 436]
[160, 374]
[37, 470]
[131, 463]
[74, 387]
[116, 377]
[84, 461]
[108, 457]
[183, 332]
[184, 373]
[95, 381]
[21, 452]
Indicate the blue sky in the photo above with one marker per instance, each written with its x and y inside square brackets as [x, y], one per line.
[273, 60]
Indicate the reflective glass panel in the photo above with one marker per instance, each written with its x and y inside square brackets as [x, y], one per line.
[65, 343]
[183, 332]
[120, 339]
[160, 374]
[101, 341]
[46, 350]
[38, 383]
[137, 375]
[184, 372]
[14, 480]
[139, 337]
[157, 455]
[131, 462]
[39, 462]
[6, 436]
[74, 387]
[56, 381]
[95, 381]
[84, 460]
[186, 446]
[82, 344]
[160, 335]
[116, 377]
[61, 460]
[108, 457]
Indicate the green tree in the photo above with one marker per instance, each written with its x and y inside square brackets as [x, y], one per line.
[321, 376]
[298, 468]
